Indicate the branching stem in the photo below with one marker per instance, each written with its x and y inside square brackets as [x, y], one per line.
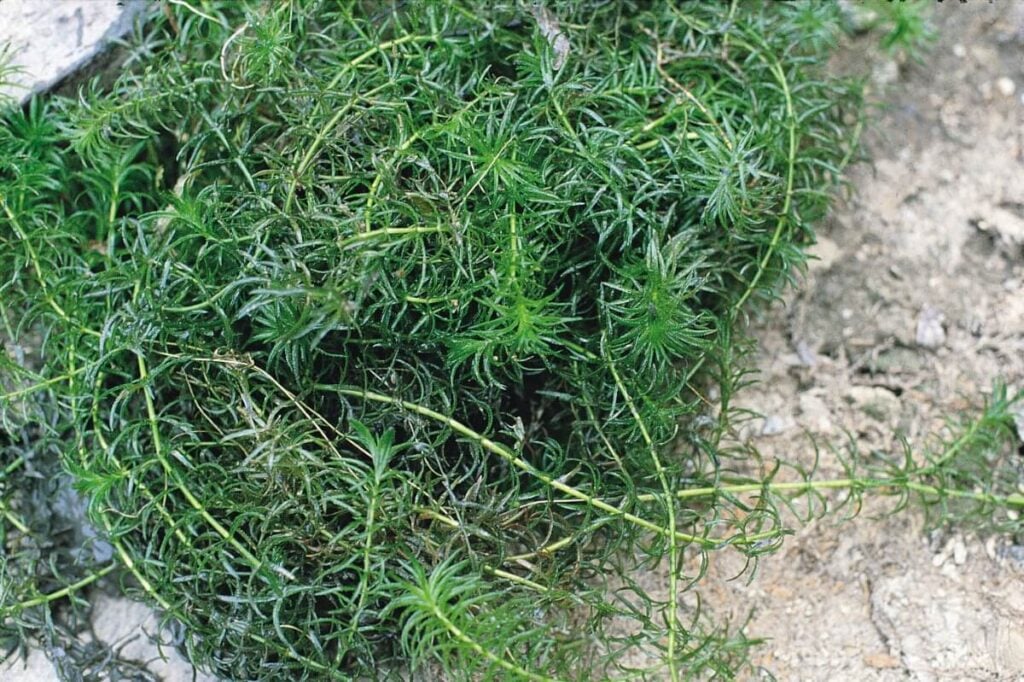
[519, 463]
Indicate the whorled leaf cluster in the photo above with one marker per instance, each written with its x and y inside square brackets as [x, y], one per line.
[364, 328]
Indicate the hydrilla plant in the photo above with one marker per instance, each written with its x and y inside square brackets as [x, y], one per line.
[376, 338]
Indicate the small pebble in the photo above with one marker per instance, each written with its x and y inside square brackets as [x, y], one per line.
[959, 552]
[951, 572]
[1013, 553]
[959, 51]
[1006, 86]
[930, 330]
[773, 425]
[885, 73]
[940, 558]
[806, 355]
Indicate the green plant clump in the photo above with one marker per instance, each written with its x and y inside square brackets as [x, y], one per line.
[378, 337]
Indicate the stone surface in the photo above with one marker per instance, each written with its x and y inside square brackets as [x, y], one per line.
[49, 39]
[129, 627]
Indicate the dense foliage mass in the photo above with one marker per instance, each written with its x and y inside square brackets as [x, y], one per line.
[364, 328]
[370, 324]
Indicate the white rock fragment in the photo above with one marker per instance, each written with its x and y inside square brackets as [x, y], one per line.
[885, 73]
[930, 330]
[857, 17]
[823, 255]
[1006, 86]
[1009, 650]
[133, 626]
[805, 354]
[50, 39]
[950, 571]
[815, 413]
[774, 425]
[990, 548]
[959, 551]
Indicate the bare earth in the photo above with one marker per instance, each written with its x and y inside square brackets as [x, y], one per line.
[915, 307]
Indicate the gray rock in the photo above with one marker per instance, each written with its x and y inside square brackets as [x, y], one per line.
[47, 40]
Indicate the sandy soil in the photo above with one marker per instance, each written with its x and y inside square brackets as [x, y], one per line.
[914, 308]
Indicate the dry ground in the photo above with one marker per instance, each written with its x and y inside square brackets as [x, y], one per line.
[914, 308]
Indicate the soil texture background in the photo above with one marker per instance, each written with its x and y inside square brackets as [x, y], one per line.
[912, 310]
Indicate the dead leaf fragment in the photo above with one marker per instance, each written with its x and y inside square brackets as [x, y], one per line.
[552, 31]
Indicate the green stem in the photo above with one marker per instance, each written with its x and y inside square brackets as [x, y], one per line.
[25, 390]
[953, 449]
[203, 304]
[477, 648]
[34, 258]
[197, 12]
[58, 594]
[388, 232]
[519, 580]
[787, 203]
[1013, 500]
[148, 588]
[196, 504]
[15, 521]
[519, 463]
[371, 196]
[12, 467]
[318, 141]
[670, 508]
